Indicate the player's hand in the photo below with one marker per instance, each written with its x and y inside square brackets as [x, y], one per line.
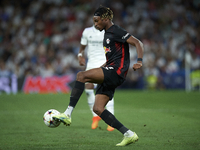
[81, 61]
[137, 66]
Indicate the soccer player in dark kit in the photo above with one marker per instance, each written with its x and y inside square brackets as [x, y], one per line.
[110, 75]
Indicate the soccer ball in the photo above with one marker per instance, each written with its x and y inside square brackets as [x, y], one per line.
[48, 120]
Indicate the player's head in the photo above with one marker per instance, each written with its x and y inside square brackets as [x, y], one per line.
[101, 16]
[104, 13]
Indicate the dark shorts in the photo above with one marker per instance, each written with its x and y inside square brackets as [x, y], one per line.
[111, 81]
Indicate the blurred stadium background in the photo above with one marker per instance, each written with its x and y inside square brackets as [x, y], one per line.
[39, 42]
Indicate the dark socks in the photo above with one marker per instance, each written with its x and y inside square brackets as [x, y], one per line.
[110, 119]
[76, 93]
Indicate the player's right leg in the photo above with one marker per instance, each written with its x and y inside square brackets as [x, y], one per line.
[74, 97]
[94, 76]
[63, 118]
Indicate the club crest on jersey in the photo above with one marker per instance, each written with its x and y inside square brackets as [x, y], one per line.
[107, 41]
[107, 49]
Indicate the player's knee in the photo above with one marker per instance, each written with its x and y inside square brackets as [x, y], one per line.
[80, 76]
[97, 110]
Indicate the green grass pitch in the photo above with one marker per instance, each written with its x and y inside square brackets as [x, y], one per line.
[163, 120]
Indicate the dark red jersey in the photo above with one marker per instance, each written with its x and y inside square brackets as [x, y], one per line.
[117, 50]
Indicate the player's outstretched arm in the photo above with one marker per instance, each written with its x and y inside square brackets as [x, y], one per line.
[140, 49]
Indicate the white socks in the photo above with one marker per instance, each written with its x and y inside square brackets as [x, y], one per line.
[129, 133]
[110, 106]
[68, 111]
[91, 99]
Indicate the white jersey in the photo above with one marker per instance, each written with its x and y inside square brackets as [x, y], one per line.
[93, 38]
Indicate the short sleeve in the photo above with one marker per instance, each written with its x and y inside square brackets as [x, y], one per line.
[84, 40]
[121, 35]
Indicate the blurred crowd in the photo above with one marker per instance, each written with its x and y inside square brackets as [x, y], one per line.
[42, 37]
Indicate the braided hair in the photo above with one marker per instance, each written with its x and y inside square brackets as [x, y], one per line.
[104, 13]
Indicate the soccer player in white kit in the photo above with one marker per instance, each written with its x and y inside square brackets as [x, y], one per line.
[93, 40]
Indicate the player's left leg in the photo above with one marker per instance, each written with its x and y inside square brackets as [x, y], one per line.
[99, 108]
[110, 108]
[89, 90]
[100, 102]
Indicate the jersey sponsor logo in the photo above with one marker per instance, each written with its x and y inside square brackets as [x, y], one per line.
[95, 42]
[123, 37]
[108, 41]
[107, 49]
